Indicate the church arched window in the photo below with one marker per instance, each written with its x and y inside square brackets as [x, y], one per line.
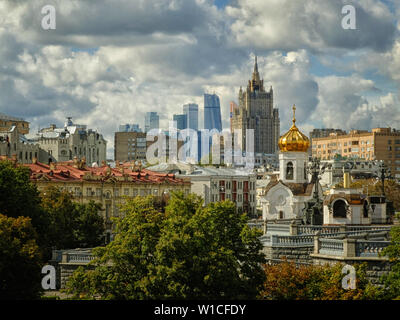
[305, 170]
[289, 171]
[339, 209]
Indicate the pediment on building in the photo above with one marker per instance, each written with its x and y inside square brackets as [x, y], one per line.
[297, 189]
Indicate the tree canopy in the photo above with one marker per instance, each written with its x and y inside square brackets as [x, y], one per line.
[392, 280]
[287, 281]
[20, 262]
[71, 224]
[186, 252]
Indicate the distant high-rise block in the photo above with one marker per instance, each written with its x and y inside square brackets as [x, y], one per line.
[129, 128]
[181, 121]
[152, 121]
[192, 112]
[212, 112]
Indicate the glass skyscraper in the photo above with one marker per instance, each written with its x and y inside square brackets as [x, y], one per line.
[152, 121]
[181, 121]
[212, 112]
[192, 112]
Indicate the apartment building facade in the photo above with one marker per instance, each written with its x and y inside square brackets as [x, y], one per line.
[379, 144]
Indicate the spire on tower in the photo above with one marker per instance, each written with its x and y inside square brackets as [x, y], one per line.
[256, 66]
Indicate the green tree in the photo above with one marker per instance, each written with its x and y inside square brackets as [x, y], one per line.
[20, 262]
[20, 197]
[186, 252]
[90, 225]
[392, 280]
[71, 224]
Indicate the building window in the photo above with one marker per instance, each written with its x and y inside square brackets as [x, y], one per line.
[280, 214]
[289, 171]
[126, 191]
[339, 209]
[365, 209]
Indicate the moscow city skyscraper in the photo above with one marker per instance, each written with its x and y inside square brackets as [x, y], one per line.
[152, 121]
[192, 112]
[181, 121]
[212, 112]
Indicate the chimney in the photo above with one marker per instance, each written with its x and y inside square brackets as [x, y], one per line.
[346, 180]
[83, 163]
[76, 162]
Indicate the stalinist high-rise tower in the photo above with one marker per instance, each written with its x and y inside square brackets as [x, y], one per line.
[256, 111]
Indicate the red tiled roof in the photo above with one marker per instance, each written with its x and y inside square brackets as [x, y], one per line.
[69, 172]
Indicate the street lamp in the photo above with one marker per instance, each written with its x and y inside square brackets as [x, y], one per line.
[384, 173]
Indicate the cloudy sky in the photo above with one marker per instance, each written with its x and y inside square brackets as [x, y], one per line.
[110, 61]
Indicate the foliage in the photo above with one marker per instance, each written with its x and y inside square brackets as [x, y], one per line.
[20, 263]
[19, 197]
[186, 252]
[374, 187]
[286, 281]
[392, 280]
[71, 225]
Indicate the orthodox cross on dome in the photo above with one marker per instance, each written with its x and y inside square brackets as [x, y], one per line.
[294, 114]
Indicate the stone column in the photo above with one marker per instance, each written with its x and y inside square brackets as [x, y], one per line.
[293, 229]
[349, 247]
[317, 244]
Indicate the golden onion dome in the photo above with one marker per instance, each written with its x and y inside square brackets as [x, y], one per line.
[294, 140]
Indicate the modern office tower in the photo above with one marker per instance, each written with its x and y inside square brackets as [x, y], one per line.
[129, 128]
[152, 121]
[256, 112]
[181, 121]
[212, 112]
[192, 112]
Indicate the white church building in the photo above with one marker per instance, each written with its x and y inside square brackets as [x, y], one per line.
[285, 197]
